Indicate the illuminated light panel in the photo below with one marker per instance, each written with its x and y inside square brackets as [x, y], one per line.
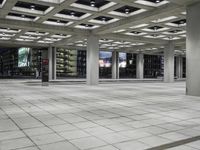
[4, 38]
[7, 35]
[24, 40]
[139, 26]
[45, 42]
[164, 19]
[118, 31]
[61, 36]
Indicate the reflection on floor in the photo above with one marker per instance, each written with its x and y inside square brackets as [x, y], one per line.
[132, 116]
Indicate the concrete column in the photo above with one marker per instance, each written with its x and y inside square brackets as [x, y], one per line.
[92, 60]
[169, 62]
[193, 51]
[179, 67]
[54, 63]
[115, 65]
[140, 66]
[50, 49]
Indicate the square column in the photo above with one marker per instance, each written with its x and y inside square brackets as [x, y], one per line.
[92, 60]
[193, 50]
[115, 65]
[169, 62]
[140, 66]
[54, 76]
[179, 67]
[50, 50]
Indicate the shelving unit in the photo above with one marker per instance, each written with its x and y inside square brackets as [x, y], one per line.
[153, 66]
[66, 62]
[81, 63]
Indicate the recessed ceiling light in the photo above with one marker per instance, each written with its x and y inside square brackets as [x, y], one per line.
[72, 13]
[23, 16]
[32, 7]
[157, 1]
[103, 19]
[92, 3]
[127, 11]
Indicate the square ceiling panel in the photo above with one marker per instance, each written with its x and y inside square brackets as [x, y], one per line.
[21, 16]
[71, 13]
[31, 6]
[155, 28]
[103, 18]
[57, 22]
[178, 22]
[127, 9]
[93, 3]
[155, 1]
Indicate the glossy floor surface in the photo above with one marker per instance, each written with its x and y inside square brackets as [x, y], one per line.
[113, 116]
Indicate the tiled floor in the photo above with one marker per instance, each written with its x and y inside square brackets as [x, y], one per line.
[125, 116]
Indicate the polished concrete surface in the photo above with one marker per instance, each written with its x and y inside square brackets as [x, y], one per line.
[119, 116]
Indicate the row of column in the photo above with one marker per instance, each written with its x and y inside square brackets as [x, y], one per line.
[93, 63]
[192, 57]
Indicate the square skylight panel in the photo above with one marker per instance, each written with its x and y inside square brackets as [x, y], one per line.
[86, 26]
[175, 32]
[155, 29]
[103, 20]
[126, 11]
[71, 14]
[31, 8]
[177, 23]
[57, 22]
[93, 5]
[136, 33]
[18, 16]
[8, 30]
[153, 3]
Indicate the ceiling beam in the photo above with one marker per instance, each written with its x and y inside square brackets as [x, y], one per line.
[166, 10]
[41, 27]
[129, 38]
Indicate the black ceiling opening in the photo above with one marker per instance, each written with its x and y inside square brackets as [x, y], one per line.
[154, 1]
[155, 28]
[71, 13]
[135, 32]
[103, 18]
[175, 31]
[31, 6]
[86, 25]
[127, 9]
[21, 15]
[97, 3]
[182, 21]
[58, 21]
[1, 1]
